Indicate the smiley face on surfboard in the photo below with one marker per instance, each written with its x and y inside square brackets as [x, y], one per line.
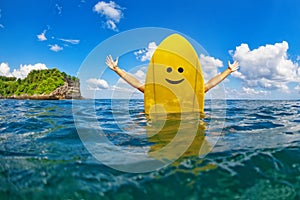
[174, 80]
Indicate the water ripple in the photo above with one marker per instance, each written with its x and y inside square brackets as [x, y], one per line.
[42, 156]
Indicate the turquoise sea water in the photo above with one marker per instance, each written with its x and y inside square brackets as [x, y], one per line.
[257, 155]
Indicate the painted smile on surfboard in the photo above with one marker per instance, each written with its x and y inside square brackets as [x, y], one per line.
[174, 80]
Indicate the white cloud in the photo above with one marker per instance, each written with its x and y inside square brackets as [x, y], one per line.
[71, 41]
[252, 91]
[110, 10]
[112, 13]
[22, 72]
[59, 9]
[110, 24]
[246, 93]
[42, 36]
[1, 25]
[96, 84]
[266, 67]
[55, 48]
[140, 75]
[5, 70]
[297, 88]
[298, 58]
[81, 2]
[210, 66]
[122, 88]
[146, 54]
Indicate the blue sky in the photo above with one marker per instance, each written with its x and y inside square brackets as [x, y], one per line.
[262, 35]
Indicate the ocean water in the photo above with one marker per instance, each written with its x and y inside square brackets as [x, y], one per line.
[48, 152]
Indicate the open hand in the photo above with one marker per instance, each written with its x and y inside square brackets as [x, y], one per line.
[234, 66]
[113, 65]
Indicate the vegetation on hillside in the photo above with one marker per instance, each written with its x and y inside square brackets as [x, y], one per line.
[37, 82]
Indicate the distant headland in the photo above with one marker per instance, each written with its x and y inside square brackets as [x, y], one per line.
[46, 84]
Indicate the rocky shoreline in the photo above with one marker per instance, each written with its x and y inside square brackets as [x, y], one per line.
[70, 90]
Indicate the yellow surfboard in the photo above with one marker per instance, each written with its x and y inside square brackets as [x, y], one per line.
[174, 81]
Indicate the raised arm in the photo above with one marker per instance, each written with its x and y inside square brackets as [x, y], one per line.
[220, 77]
[113, 65]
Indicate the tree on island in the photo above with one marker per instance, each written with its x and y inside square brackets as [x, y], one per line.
[37, 82]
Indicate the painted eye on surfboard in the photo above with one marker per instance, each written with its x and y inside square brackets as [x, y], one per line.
[180, 69]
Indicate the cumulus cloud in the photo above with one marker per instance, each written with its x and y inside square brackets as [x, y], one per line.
[112, 13]
[146, 54]
[210, 66]
[251, 91]
[42, 36]
[5, 70]
[140, 75]
[267, 66]
[55, 48]
[246, 93]
[96, 84]
[22, 72]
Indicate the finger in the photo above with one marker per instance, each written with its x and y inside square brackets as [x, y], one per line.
[116, 61]
[108, 59]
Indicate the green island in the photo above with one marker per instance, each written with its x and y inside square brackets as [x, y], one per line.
[41, 85]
